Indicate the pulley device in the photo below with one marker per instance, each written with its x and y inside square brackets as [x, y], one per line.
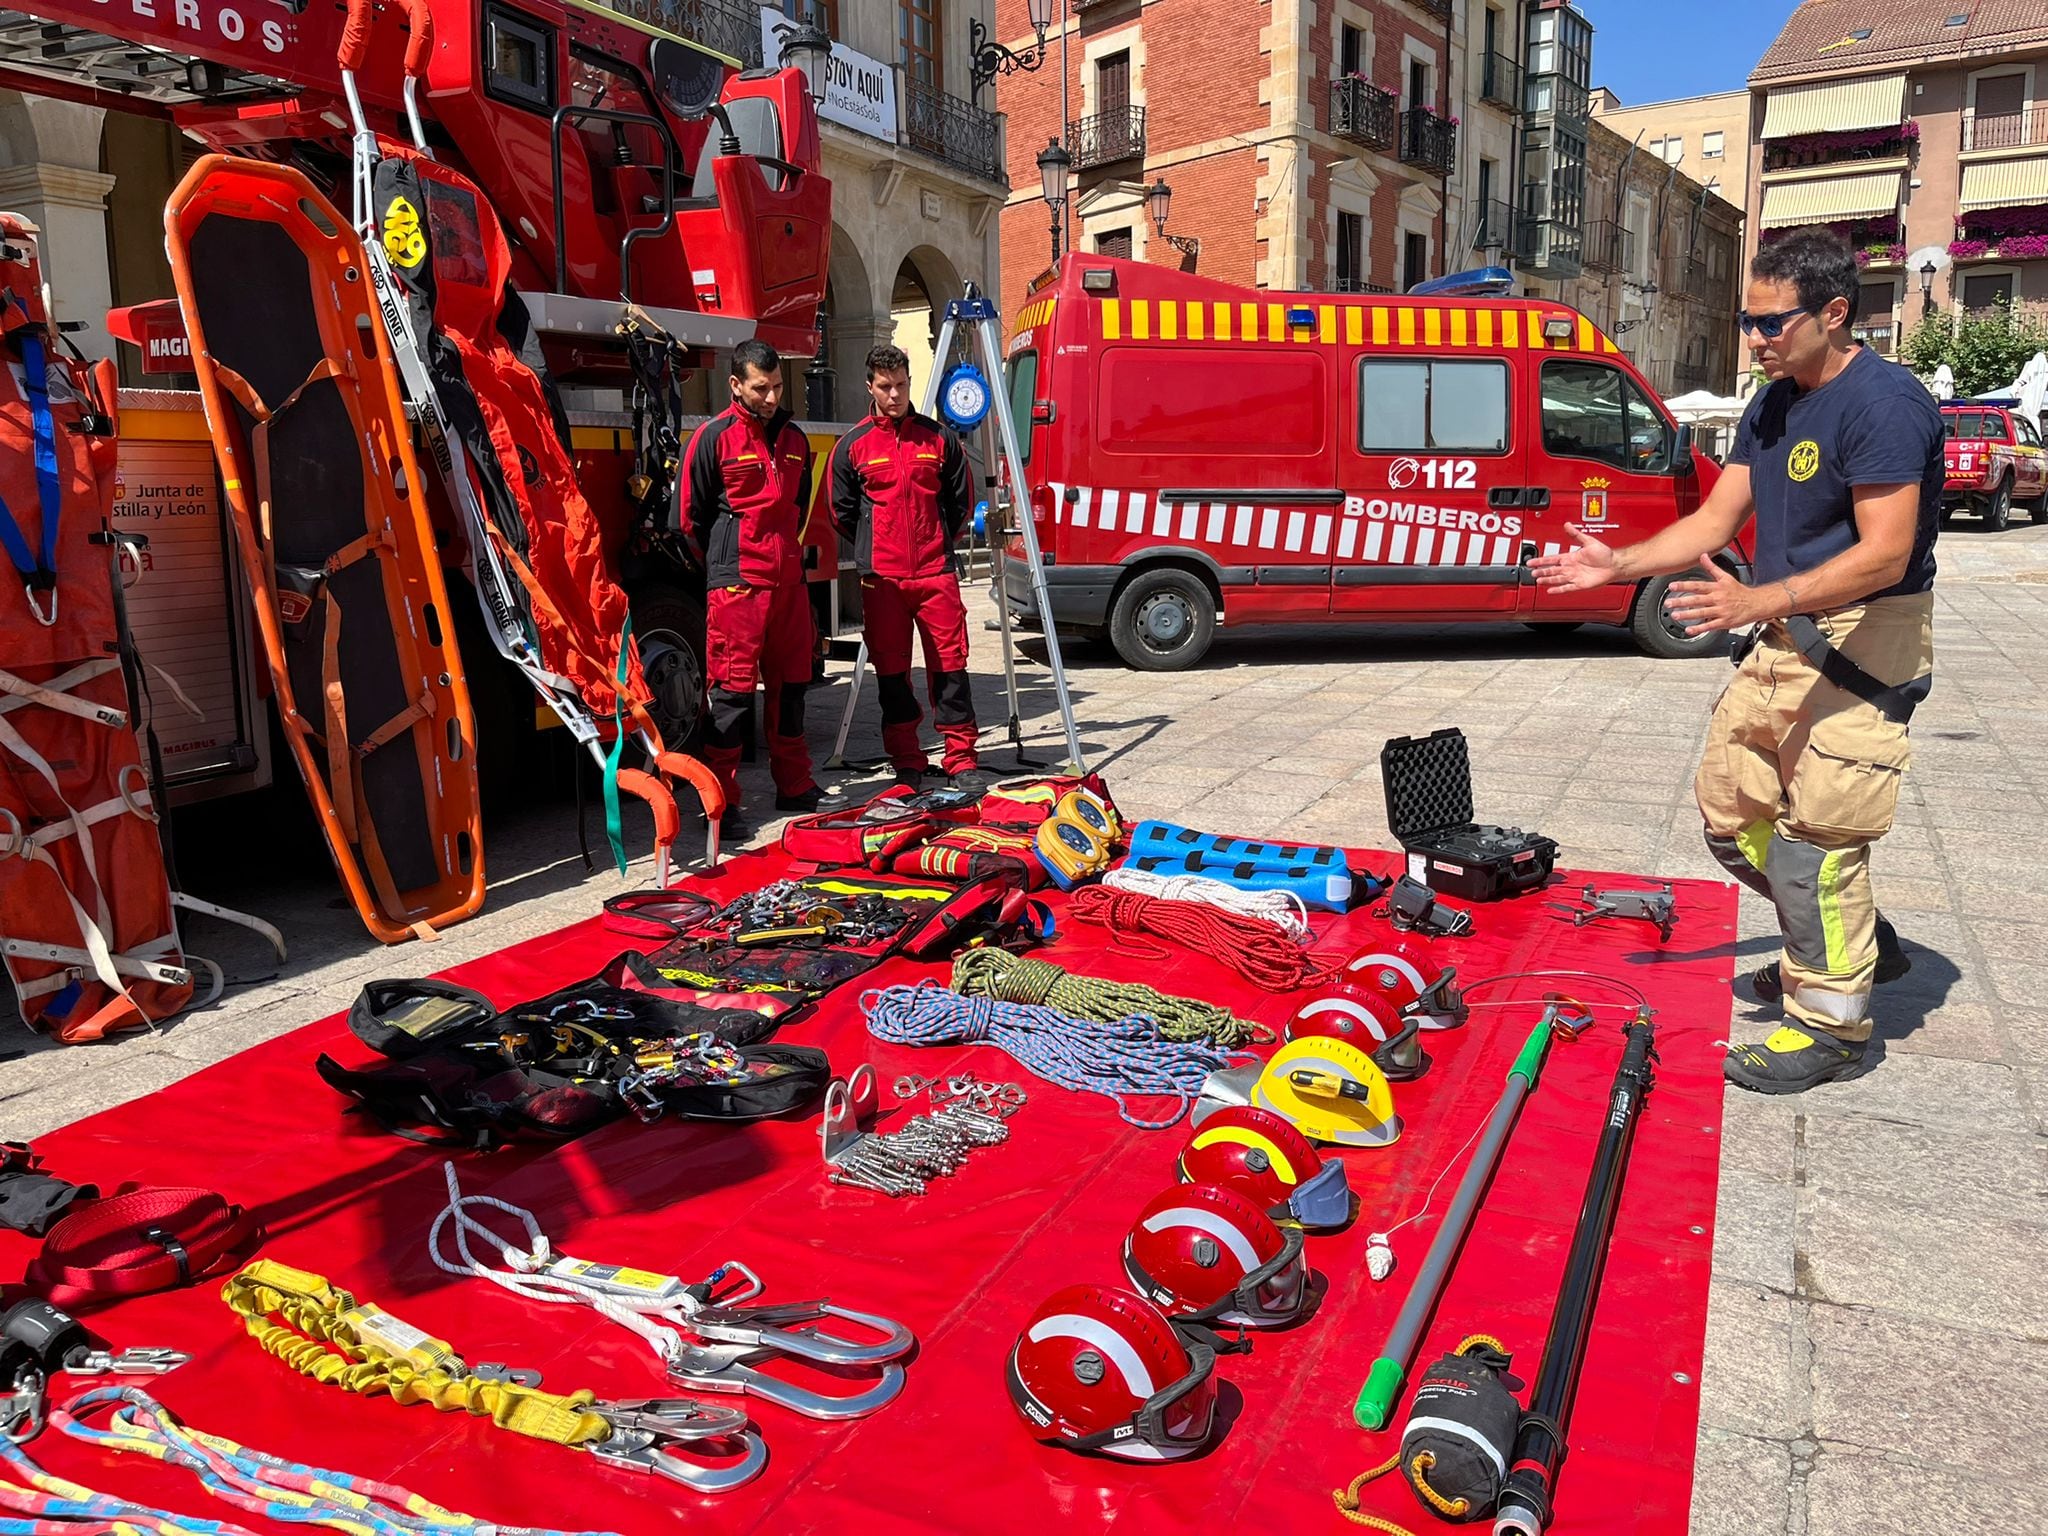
[978, 314]
[708, 1336]
[39, 1343]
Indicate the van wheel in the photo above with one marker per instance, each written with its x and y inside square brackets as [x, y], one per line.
[1998, 510]
[1163, 621]
[668, 621]
[1658, 635]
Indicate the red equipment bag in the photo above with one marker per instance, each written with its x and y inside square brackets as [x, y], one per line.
[873, 834]
[86, 916]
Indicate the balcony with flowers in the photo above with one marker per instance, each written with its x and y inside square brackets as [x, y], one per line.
[1867, 148]
[1878, 243]
[2001, 234]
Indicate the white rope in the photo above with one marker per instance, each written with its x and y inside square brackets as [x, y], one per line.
[524, 1271]
[1379, 1246]
[1283, 909]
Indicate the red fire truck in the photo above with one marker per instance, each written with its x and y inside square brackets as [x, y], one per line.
[1203, 454]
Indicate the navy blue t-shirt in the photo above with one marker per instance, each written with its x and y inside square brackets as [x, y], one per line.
[1871, 424]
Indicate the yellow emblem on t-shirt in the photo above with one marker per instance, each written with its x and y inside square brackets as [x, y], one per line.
[1805, 460]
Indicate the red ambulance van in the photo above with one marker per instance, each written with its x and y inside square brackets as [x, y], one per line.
[1202, 454]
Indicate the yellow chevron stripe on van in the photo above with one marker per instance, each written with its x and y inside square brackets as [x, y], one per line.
[1221, 315]
[1169, 320]
[1459, 325]
[1276, 322]
[1112, 319]
[1585, 334]
[1432, 328]
[1141, 319]
[1486, 328]
[1607, 344]
[1329, 323]
[1198, 313]
[1248, 322]
[1510, 333]
[1380, 325]
[1404, 326]
[1354, 326]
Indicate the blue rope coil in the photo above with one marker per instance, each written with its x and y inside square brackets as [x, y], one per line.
[1122, 1060]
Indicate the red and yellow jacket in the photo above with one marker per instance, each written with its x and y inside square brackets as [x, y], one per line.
[900, 493]
[748, 484]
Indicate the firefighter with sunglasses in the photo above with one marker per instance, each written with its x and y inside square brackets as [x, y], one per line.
[1839, 459]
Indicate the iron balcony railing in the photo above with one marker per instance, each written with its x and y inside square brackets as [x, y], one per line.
[1610, 247]
[1551, 248]
[1429, 141]
[1107, 137]
[1363, 113]
[1496, 226]
[1358, 285]
[1440, 9]
[727, 25]
[2006, 130]
[1500, 81]
[953, 131]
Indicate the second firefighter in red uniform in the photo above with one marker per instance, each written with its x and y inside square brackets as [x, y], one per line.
[900, 494]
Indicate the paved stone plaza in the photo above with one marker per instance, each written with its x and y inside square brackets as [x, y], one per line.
[1877, 1353]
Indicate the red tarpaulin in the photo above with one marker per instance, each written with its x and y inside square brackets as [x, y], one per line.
[963, 1266]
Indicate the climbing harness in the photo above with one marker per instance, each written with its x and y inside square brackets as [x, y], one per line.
[252, 1480]
[709, 1336]
[1122, 1059]
[324, 1332]
[1018, 979]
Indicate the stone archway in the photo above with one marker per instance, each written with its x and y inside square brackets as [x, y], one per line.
[926, 282]
[855, 319]
[50, 174]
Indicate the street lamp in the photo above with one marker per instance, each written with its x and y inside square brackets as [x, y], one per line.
[806, 47]
[1054, 165]
[991, 58]
[1158, 203]
[1927, 270]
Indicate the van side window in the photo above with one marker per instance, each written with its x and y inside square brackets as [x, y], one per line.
[1023, 395]
[1425, 405]
[1592, 411]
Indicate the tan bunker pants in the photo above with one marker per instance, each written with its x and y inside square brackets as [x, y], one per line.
[1798, 780]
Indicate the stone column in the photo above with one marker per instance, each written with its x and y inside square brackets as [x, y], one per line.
[53, 179]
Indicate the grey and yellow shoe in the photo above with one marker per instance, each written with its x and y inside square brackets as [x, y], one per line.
[1792, 1061]
[1892, 962]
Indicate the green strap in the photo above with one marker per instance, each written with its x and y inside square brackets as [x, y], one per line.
[613, 828]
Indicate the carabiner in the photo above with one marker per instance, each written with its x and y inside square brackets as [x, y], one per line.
[766, 1327]
[650, 1450]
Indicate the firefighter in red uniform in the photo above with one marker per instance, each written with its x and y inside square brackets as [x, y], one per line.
[900, 493]
[748, 478]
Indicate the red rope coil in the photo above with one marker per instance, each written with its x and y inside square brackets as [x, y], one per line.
[1257, 951]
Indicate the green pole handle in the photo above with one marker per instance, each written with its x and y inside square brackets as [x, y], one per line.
[1529, 1063]
[1382, 1386]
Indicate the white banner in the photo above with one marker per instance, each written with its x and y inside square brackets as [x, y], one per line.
[860, 92]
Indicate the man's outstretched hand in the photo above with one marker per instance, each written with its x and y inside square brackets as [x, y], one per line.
[1719, 602]
[1587, 565]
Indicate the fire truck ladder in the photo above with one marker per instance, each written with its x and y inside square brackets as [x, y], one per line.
[978, 314]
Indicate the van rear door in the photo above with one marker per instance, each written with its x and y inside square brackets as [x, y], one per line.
[1606, 453]
[1428, 439]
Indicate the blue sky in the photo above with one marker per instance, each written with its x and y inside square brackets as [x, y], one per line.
[1652, 50]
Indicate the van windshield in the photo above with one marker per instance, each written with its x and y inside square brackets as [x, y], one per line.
[1023, 392]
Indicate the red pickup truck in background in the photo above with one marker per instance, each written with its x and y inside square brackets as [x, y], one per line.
[1994, 459]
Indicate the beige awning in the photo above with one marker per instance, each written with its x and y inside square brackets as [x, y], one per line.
[2004, 184]
[1831, 200]
[1875, 101]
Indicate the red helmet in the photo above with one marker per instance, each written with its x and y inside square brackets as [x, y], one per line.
[1210, 1255]
[1404, 974]
[1098, 1369]
[1366, 1017]
[1261, 1156]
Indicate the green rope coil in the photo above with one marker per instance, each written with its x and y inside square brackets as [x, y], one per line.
[1012, 978]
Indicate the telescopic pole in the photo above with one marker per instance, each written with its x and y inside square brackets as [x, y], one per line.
[1525, 1506]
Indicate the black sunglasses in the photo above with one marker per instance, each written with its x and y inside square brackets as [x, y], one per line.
[1770, 326]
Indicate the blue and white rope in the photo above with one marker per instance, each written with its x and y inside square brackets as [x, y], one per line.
[1123, 1060]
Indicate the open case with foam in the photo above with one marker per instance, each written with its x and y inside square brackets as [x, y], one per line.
[1428, 782]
